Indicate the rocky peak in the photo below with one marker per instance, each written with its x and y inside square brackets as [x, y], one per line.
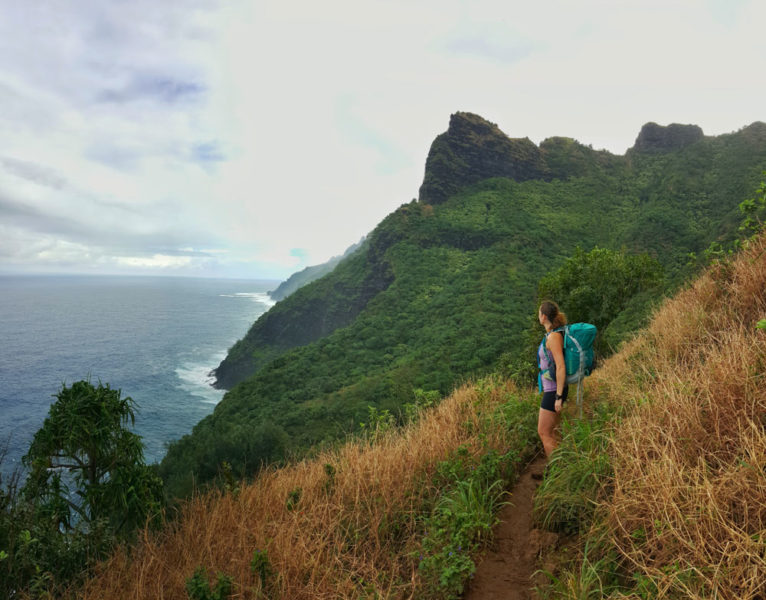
[473, 149]
[655, 138]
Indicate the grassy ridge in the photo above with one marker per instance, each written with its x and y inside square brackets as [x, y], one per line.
[399, 513]
[681, 503]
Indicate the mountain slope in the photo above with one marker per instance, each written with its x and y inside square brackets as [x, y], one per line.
[666, 481]
[689, 456]
[683, 507]
[439, 292]
[309, 274]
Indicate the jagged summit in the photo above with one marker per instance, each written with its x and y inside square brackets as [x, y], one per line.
[655, 138]
[473, 149]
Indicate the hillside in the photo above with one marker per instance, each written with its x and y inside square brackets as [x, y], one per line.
[662, 486]
[375, 518]
[666, 483]
[444, 287]
[309, 274]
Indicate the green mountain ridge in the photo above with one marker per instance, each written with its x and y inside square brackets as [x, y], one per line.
[309, 274]
[443, 288]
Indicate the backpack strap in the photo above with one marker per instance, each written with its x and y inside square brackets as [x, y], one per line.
[551, 370]
[562, 331]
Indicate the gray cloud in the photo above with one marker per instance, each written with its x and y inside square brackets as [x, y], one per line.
[495, 41]
[113, 153]
[16, 212]
[140, 128]
[22, 111]
[506, 52]
[36, 173]
[97, 43]
[208, 152]
[89, 225]
[165, 89]
[104, 120]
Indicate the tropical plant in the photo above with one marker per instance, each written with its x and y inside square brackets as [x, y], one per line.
[87, 488]
[86, 465]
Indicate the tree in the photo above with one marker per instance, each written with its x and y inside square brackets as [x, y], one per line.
[753, 211]
[86, 466]
[611, 289]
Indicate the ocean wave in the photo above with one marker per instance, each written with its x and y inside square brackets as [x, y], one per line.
[197, 379]
[260, 297]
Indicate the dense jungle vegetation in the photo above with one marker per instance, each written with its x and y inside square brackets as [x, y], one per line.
[442, 292]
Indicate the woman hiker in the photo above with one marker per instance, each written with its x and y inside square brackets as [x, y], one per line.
[554, 375]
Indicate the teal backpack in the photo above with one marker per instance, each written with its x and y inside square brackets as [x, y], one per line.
[578, 355]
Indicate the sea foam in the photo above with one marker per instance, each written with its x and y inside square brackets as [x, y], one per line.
[260, 297]
[196, 379]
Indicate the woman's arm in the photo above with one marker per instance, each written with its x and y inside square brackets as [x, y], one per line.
[556, 346]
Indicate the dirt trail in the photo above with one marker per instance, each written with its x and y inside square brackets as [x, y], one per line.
[506, 570]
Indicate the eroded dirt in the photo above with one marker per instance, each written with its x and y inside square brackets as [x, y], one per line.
[506, 572]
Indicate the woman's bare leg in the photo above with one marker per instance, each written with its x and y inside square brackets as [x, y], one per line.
[547, 424]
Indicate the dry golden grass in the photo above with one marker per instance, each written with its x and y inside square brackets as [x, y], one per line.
[349, 532]
[689, 502]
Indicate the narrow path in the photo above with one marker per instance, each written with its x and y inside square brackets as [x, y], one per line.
[506, 570]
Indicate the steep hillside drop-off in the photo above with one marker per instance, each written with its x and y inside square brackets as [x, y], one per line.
[665, 480]
[442, 290]
[308, 314]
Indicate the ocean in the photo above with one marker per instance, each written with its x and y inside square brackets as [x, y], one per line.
[154, 338]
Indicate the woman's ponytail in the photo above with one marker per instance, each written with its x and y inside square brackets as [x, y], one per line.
[551, 310]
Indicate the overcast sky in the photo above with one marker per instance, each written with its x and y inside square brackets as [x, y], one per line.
[239, 138]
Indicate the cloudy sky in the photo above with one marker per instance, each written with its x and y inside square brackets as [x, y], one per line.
[250, 138]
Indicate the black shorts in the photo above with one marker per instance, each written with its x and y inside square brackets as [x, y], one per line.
[549, 399]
